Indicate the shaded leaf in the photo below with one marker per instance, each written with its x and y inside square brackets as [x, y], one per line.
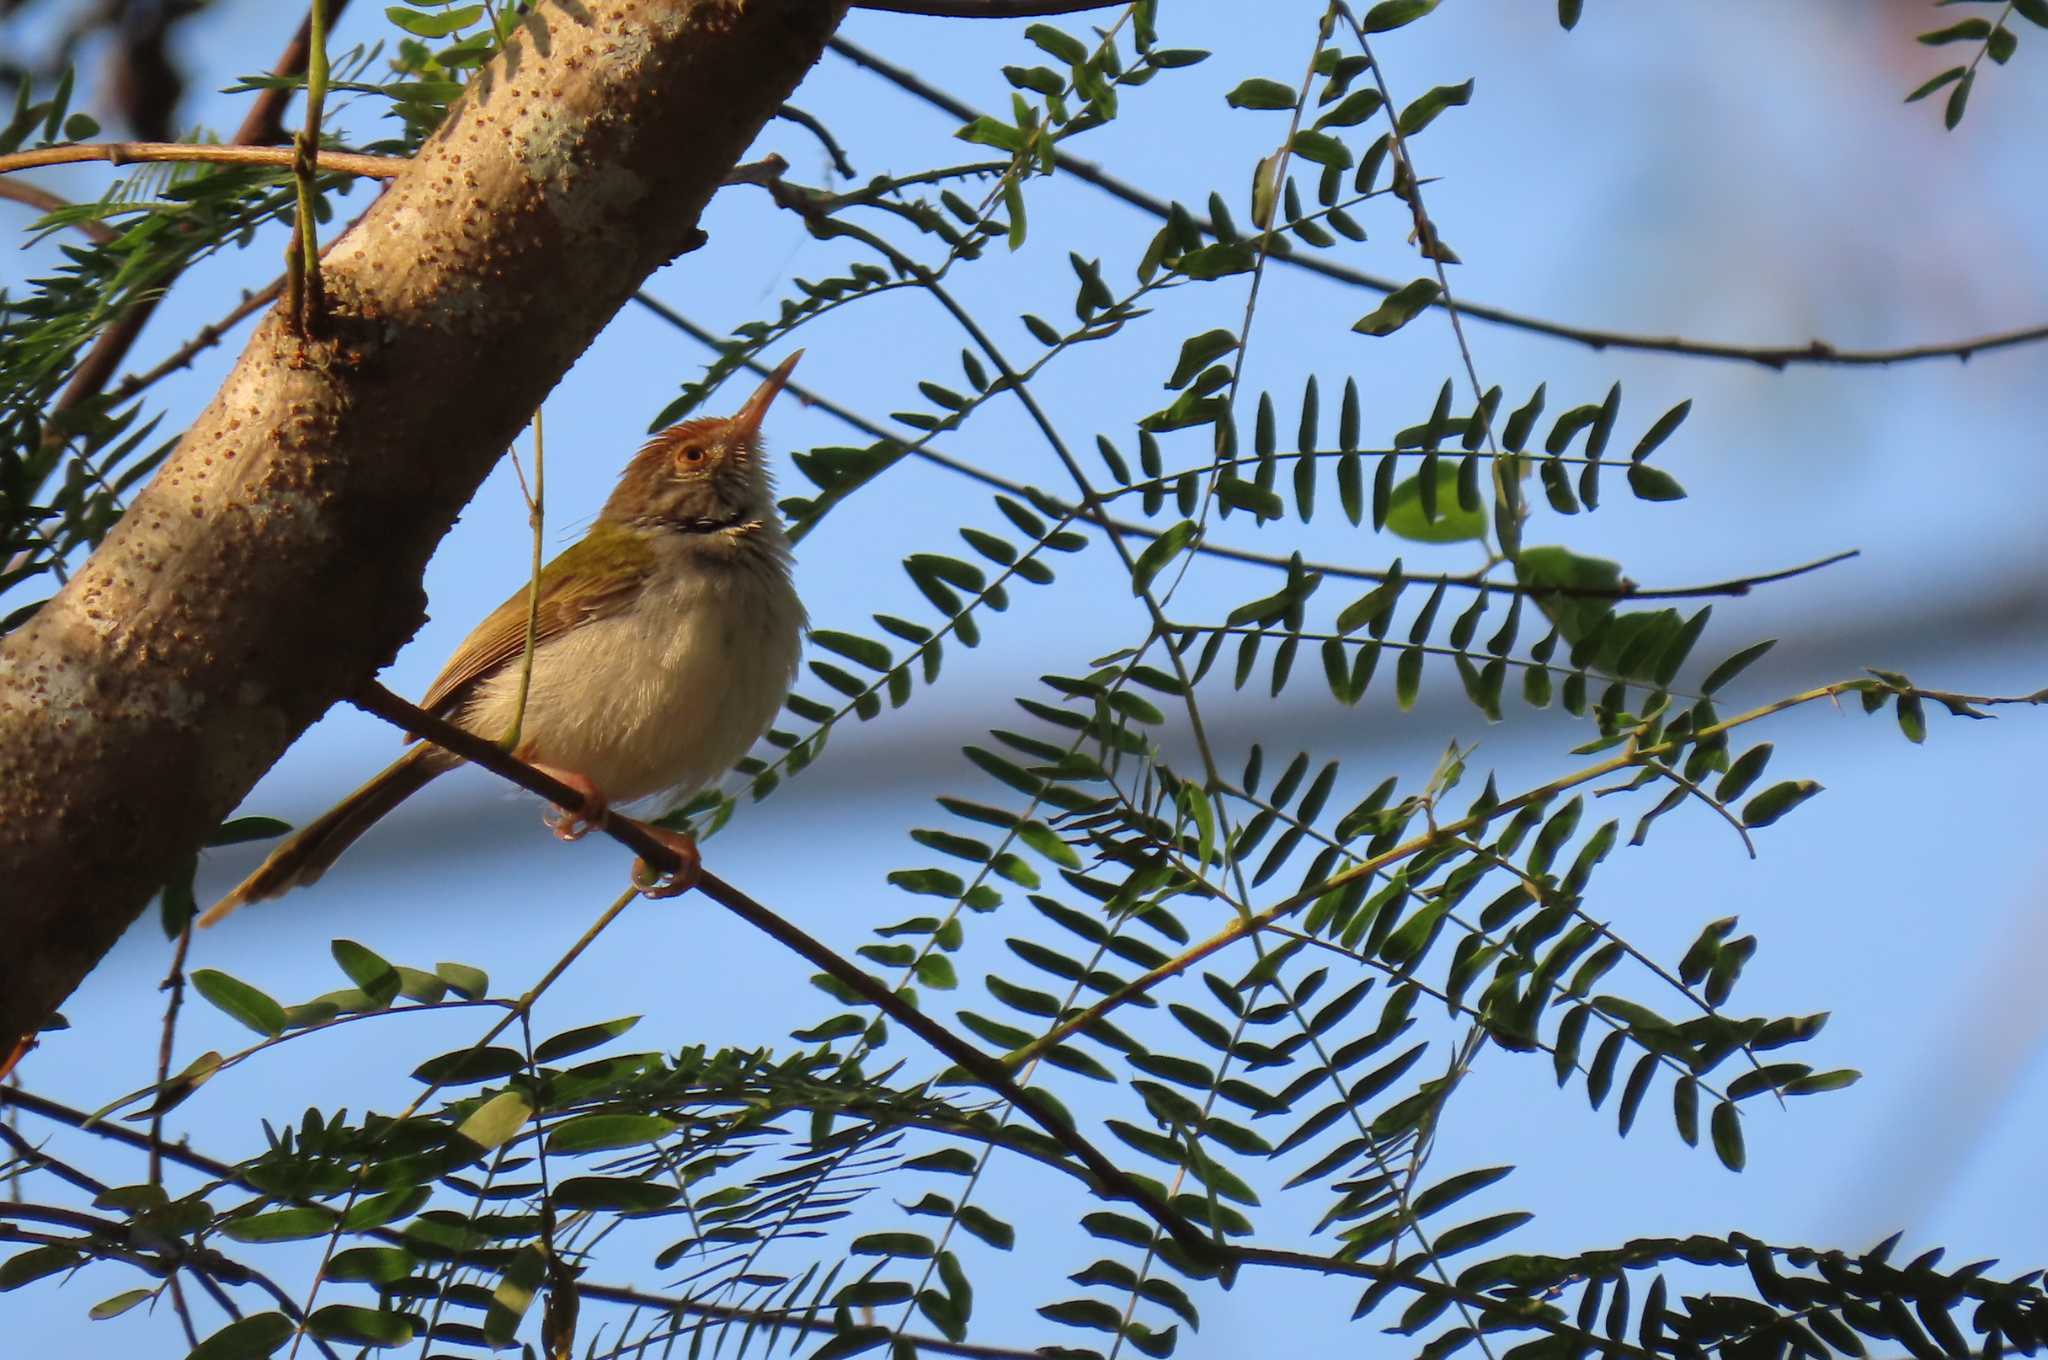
[1401, 306]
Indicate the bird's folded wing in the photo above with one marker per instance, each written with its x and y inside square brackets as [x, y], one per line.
[601, 575]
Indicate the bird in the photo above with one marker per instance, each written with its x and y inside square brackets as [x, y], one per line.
[667, 640]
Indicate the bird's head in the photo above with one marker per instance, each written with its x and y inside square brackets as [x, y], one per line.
[703, 476]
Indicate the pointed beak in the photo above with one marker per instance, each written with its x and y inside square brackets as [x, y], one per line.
[748, 420]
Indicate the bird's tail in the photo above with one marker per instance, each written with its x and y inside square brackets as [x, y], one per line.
[303, 858]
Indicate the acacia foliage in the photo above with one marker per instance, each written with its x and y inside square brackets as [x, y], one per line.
[1258, 978]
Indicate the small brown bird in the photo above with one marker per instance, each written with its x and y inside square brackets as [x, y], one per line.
[668, 638]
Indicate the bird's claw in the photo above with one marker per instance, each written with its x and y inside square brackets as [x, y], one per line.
[653, 883]
[567, 825]
[573, 824]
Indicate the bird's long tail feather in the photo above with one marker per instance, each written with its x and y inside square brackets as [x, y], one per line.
[303, 858]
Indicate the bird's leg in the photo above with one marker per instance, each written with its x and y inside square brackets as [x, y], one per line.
[652, 884]
[572, 823]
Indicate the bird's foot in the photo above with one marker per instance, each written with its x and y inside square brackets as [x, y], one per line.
[572, 824]
[652, 883]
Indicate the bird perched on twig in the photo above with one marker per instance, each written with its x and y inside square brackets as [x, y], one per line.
[667, 639]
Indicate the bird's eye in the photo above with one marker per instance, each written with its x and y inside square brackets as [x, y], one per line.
[693, 454]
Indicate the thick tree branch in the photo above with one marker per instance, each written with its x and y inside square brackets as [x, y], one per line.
[274, 562]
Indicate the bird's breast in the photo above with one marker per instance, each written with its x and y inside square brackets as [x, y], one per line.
[665, 695]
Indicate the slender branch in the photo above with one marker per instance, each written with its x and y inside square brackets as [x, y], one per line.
[711, 1312]
[1716, 804]
[984, 1069]
[1333, 1265]
[1511, 508]
[345, 162]
[35, 1157]
[174, 983]
[810, 124]
[518, 1012]
[1735, 586]
[1406, 975]
[133, 153]
[1769, 356]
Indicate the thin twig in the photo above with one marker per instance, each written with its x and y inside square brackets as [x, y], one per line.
[558, 1314]
[132, 153]
[264, 122]
[1511, 508]
[207, 336]
[1274, 189]
[1233, 1253]
[1769, 356]
[536, 509]
[35, 1157]
[174, 983]
[824, 135]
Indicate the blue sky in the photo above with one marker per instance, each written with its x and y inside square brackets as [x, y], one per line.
[1741, 172]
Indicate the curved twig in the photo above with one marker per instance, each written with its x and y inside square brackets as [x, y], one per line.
[809, 123]
[208, 336]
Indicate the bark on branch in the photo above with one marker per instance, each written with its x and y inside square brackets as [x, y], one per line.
[274, 562]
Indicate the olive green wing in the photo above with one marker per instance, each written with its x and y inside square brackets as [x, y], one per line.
[599, 576]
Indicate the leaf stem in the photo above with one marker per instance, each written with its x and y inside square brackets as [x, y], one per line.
[536, 510]
[305, 297]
